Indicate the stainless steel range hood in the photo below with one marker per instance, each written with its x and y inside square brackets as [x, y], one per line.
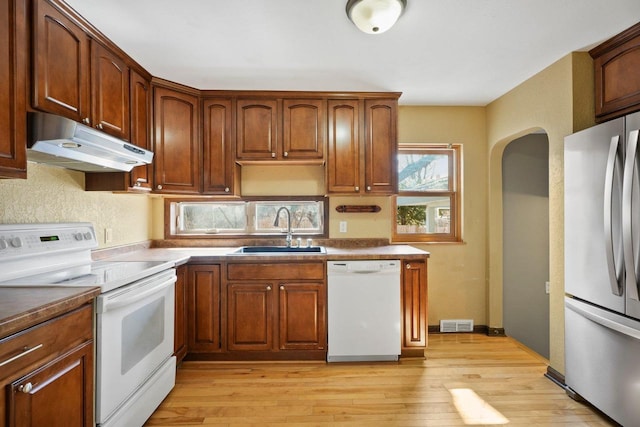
[58, 141]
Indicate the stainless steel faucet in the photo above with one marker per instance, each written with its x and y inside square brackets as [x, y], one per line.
[275, 224]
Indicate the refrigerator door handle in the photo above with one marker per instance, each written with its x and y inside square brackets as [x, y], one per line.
[615, 267]
[630, 170]
[585, 311]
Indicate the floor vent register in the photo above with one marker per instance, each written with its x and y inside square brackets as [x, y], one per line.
[456, 325]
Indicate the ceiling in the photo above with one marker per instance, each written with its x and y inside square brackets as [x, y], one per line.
[440, 52]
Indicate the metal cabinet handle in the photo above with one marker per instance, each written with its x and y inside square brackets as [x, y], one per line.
[282, 287]
[86, 121]
[286, 154]
[25, 388]
[227, 189]
[273, 154]
[357, 188]
[368, 188]
[268, 288]
[408, 266]
[25, 350]
[159, 187]
[99, 126]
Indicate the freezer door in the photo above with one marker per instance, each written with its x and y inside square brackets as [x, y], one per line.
[631, 215]
[601, 363]
[593, 162]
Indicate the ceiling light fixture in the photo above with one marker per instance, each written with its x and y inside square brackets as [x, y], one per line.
[375, 16]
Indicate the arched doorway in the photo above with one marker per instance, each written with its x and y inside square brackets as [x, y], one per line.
[525, 199]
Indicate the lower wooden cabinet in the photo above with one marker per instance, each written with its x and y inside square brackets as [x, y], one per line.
[47, 373]
[204, 323]
[180, 326]
[414, 308]
[250, 316]
[302, 316]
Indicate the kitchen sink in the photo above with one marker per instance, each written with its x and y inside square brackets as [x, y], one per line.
[280, 249]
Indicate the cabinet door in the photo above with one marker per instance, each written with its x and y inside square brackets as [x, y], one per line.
[59, 394]
[257, 129]
[302, 316]
[219, 167]
[180, 323]
[176, 142]
[140, 114]
[380, 146]
[414, 307]
[13, 117]
[109, 92]
[204, 324]
[343, 163]
[250, 316]
[60, 64]
[304, 128]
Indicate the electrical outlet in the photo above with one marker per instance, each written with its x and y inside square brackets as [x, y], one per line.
[546, 287]
[108, 235]
[343, 226]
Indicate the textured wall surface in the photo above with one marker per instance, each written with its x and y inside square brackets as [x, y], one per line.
[57, 195]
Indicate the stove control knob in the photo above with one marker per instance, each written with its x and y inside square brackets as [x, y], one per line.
[87, 236]
[16, 242]
[77, 236]
[3, 244]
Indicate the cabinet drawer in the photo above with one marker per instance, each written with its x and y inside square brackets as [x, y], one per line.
[276, 271]
[45, 341]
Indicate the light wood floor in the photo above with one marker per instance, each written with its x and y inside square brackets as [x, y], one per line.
[467, 379]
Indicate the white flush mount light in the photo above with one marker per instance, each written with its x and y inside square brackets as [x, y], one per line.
[375, 16]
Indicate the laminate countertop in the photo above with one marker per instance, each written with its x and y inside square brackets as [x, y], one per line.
[183, 255]
[23, 307]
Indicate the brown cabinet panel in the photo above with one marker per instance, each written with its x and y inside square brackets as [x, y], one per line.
[58, 394]
[302, 316]
[276, 271]
[250, 316]
[217, 139]
[180, 345]
[109, 92]
[13, 117]
[204, 304]
[176, 141]
[343, 162]
[304, 128]
[257, 128]
[140, 113]
[414, 306]
[60, 64]
[380, 146]
[617, 81]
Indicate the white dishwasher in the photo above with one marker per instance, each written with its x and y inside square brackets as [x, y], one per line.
[363, 310]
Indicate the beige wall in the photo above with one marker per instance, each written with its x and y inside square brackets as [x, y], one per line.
[57, 195]
[558, 100]
[457, 273]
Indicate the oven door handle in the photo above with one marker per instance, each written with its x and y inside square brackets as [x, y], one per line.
[127, 298]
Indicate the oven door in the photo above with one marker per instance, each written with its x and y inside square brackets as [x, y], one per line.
[134, 334]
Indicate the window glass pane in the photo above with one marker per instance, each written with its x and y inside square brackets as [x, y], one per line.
[425, 215]
[213, 217]
[423, 172]
[306, 217]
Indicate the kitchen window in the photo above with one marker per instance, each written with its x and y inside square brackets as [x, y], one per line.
[245, 218]
[427, 206]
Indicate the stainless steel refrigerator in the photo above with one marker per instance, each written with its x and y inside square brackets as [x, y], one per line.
[602, 267]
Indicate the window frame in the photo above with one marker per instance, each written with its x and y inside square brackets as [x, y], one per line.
[169, 217]
[454, 193]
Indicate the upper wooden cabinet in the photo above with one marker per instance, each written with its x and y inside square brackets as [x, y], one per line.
[61, 56]
[109, 92]
[362, 146]
[617, 80]
[140, 109]
[176, 141]
[219, 169]
[75, 76]
[280, 129]
[13, 117]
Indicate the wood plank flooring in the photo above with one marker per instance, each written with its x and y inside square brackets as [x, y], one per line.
[467, 379]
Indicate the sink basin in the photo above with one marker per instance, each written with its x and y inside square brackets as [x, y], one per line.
[280, 249]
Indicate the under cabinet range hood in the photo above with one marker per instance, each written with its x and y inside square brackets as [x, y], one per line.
[58, 141]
